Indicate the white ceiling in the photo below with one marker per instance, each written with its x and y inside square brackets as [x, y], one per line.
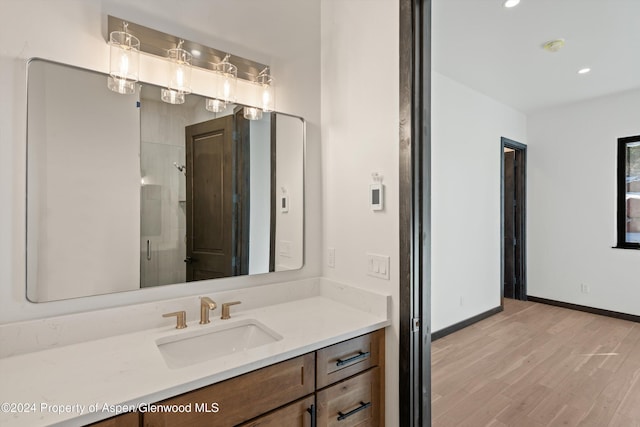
[497, 51]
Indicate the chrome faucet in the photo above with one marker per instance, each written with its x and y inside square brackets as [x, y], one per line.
[206, 304]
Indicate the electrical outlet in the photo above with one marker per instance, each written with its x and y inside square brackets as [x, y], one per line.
[378, 266]
[285, 249]
[584, 288]
[331, 258]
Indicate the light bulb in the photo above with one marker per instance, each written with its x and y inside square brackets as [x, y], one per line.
[227, 80]
[265, 91]
[180, 77]
[124, 65]
[227, 90]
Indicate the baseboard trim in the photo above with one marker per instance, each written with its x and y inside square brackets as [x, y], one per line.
[461, 325]
[592, 310]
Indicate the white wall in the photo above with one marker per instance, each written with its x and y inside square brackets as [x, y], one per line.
[360, 135]
[572, 204]
[73, 32]
[260, 194]
[289, 183]
[466, 155]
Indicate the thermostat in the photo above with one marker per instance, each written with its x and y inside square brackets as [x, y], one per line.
[376, 196]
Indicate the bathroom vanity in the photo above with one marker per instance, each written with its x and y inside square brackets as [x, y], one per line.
[343, 382]
[322, 359]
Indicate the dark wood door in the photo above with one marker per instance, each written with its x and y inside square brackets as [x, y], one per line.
[209, 152]
[509, 224]
[242, 202]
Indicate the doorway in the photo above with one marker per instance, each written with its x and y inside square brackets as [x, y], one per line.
[513, 219]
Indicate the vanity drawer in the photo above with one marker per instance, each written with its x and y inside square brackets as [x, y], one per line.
[242, 398]
[353, 402]
[348, 358]
[296, 414]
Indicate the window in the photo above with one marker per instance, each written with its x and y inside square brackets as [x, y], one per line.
[629, 192]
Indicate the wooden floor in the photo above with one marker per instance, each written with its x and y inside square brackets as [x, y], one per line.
[538, 365]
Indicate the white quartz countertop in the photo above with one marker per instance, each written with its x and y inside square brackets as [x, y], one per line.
[88, 381]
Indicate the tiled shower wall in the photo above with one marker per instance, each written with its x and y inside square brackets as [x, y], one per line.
[162, 197]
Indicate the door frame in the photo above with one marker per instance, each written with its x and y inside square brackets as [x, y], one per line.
[415, 214]
[520, 291]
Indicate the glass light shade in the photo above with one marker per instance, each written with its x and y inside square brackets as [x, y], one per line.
[252, 113]
[215, 105]
[179, 70]
[227, 81]
[172, 96]
[121, 86]
[266, 92]
[124, 62]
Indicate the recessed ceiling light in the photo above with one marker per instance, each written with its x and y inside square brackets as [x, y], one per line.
[584, 70]
[553, 45]
[511, 3]
[195, 52]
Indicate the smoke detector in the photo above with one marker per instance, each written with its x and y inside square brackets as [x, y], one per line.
[553, 45]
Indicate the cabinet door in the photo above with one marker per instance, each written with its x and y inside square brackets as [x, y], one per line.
[297, 414]
[353, 402]
[348, 358]
[131, 419]
[239, 399]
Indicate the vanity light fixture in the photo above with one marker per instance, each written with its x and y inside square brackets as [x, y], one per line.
[227, 80]
[584, 70]
[214, 105]
[252, 113]
[511, 3]
[266, 90]
[265, 95]
[124, 61]
[179, 75]
[182, 56]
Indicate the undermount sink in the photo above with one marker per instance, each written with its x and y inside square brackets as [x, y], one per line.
[199, 345]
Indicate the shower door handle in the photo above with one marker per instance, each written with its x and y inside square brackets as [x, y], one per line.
[148, 250]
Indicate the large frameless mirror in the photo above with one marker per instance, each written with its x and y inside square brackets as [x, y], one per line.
[127, 192]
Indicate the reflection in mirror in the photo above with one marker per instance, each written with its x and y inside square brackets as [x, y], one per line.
[128, 192]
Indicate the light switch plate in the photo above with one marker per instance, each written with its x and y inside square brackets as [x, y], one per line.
[378, 266]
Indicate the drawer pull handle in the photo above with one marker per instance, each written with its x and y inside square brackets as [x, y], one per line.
[362, 406]
[359, 356]
[312, 410]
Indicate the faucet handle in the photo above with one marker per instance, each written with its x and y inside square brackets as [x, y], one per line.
[226, 311]
[181, 317]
